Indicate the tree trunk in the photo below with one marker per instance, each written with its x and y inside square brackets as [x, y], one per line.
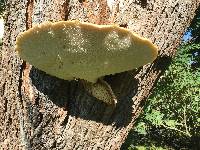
[38, 111]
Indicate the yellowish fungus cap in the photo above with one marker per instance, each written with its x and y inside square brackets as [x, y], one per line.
[72, 49]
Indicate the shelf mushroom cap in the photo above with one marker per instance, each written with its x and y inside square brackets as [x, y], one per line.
[73, 49]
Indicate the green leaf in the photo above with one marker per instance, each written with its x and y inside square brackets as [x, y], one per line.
[141, 128]
[170, 123]
[155, 117]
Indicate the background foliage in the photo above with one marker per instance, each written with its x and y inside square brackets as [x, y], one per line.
[195, 27]
[2, 2]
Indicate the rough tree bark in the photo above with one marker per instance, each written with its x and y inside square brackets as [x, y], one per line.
[38, 111]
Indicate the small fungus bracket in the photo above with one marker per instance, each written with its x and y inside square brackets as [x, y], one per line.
[101, 90]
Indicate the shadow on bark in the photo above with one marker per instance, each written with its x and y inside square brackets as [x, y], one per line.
[142, 3]
[71, 96]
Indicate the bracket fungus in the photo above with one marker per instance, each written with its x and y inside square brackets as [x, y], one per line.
[76, 50]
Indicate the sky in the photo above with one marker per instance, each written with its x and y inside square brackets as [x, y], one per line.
[187, 36]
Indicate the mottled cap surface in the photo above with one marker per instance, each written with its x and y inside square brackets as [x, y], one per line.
[71, 49]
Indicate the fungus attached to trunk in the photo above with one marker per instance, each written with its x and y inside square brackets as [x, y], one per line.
[72, 49]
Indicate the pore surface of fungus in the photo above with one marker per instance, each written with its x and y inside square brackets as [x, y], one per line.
[72, 49]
